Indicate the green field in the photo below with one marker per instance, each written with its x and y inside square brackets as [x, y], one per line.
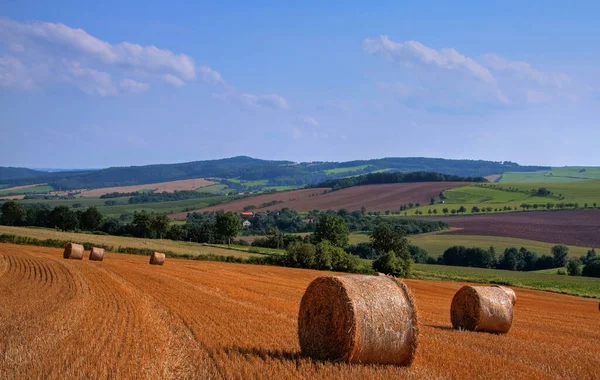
[578, 192]
[436, 243]
[162, 207]
[124, 242]
[217, 188]
[564, 174]
[28, 190]
[262, 182]
[85, 202]
[580, 286]
[350, 169]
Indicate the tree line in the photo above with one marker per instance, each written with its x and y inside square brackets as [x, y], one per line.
[394, 177]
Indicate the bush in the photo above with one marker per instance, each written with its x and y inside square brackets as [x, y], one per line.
[574, 267]
[389, 263]
[592, 268]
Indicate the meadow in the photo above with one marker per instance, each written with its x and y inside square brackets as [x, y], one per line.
[350, 169]
[123, 318]
[26, 190]
[562, 174]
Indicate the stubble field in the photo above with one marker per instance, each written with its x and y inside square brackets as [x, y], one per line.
[123, 318]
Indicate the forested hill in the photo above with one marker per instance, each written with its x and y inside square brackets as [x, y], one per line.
[381, 178]
[8, 173]
[271, 173]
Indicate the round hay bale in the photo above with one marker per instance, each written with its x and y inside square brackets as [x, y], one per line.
[73, 251]
[358, 319]
[509, 292]
[482, 308]
[157, 258]
[97, 254]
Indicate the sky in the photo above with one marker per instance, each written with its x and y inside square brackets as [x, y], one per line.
[98, 84]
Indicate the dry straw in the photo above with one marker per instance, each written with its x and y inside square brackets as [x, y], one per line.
[73, 251]
[157, 258]
[358, 319]
[97, 254]
[509, 292]
[482, 308]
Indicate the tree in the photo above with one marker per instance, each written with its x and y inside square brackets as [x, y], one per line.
[391, 264]
[432, 201]
[142, 224]
[512, 259]
[592, 269]
[445, 211]
[91, 219]
[228, 225]
[475, 209]
[63, 218]
[590, 255]
[177, 232]
[301, 255]
[386, 238]
[276, 235]
[159, 225]
[435, 211]
[560, 254]
[13, 213]
[462, 209]
[329, 257]
[574, 267]
[333, 229]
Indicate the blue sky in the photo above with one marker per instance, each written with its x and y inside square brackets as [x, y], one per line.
[97, 84]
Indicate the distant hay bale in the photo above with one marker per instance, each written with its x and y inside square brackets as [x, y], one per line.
[157, 258]
[73, 251]
[97, 254]
[358, 319]
[482, 308]
[509, 292]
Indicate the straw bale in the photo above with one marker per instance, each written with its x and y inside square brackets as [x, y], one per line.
[482, 308]
[73, 251]
[157, 258]
[358, 319]
[509, 292]
[97, 254]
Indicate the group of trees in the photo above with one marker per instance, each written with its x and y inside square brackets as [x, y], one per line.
[62, 217]
[394, 177]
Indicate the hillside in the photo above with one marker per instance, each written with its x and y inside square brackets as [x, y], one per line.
[246, 173]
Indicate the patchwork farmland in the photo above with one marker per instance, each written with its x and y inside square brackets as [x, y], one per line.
[124, 318]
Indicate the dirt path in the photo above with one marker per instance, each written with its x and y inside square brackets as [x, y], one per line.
[123, 318]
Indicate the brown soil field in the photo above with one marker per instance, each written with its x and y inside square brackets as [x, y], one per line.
[287, 197]
[493, 177]
[373, 197]
[14, 188]
[169, 187]
[12, 197]
[123, 318]
[581, 228]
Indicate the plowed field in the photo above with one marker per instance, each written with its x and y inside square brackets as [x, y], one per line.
[122, 318]
[581, 228]
[372, 197]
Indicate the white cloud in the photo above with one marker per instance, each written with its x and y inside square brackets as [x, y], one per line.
[525, 70]
[13, 74]
[130, 85]
[90, 81]
[60, 39]
[272, 101]
[414, 52]
[309, 120]
[210, 76]
[172, 79]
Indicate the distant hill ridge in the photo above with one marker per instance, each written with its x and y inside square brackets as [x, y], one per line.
[275, 173]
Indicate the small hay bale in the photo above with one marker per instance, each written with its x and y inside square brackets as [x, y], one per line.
[509, 292]
[482, 308]
[358, 319]
[73, 251]
[97, 254]
[157, 258]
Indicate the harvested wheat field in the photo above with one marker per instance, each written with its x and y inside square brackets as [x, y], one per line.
[123, 318]
[169, 187]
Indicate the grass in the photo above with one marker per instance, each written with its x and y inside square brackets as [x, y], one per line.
[245, 183]
[579, 286]
[217, 188]
[555, 175]
[346, 170]
[28, 190]
[163, 207]
[578, 192]
[436, 243]
[126, 242]
[86, 202]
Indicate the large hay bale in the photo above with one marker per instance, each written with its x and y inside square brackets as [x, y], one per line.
[358, 319]
[97, 254]
[73, 251]
[509, 292]
[482, 308]
[157, 258]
